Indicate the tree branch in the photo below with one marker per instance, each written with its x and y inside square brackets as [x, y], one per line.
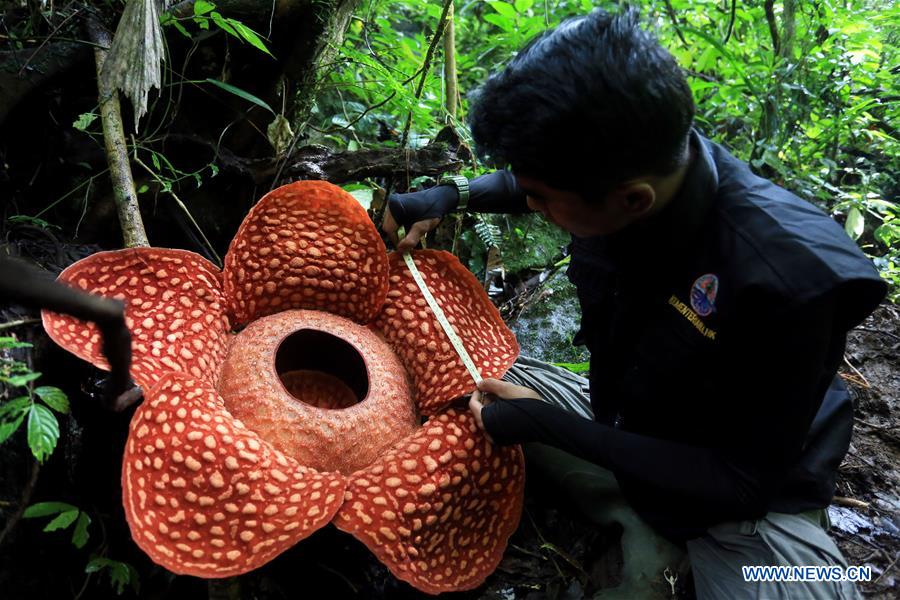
[671, 12]
[773, 25]
[429, 54]
[731, 22]
[445, 153]
[133, 232]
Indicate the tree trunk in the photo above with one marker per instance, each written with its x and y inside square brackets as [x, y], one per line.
[317, 41]
[450, 89]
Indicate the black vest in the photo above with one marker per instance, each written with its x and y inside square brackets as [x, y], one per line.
[661, 302]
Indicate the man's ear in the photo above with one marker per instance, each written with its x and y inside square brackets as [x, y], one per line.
[635, 199]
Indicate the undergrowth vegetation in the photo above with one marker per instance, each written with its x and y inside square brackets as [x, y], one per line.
[807, 92]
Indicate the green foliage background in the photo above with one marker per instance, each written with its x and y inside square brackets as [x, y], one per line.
[816, 110]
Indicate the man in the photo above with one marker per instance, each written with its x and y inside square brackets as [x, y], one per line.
[715, 305]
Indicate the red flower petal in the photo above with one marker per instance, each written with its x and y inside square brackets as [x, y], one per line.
[175, 310]
[438, 508]
[338, 432]
[411, 328]
[306, 245]
[205, 496]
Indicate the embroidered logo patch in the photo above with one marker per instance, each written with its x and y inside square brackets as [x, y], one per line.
[703, 294]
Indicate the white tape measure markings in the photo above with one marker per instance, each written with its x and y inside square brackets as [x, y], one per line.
[442, 318]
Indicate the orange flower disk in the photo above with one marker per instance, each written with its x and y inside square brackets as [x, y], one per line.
[248, 442]
[341, 439]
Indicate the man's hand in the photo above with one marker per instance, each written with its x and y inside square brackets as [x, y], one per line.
[413, 236]
[419, 212]
[490, 388]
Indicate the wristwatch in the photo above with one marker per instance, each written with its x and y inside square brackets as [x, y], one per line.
[462, 187]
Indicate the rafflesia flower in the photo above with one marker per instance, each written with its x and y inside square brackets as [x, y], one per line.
[248, 442]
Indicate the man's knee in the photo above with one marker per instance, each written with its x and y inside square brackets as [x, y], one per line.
[777, 540]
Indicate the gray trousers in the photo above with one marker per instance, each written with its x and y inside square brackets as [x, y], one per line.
[651, 562]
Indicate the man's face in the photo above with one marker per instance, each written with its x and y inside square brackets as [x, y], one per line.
[571, 211]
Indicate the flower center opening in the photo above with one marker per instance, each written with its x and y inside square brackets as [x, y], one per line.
[321, 369]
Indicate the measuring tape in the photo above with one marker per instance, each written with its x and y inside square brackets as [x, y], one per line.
[439, 313]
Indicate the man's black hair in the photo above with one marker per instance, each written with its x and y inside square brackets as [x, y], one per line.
[586, 106]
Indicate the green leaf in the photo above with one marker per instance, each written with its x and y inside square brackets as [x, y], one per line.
[364, 197]
[80, 535]
[12, 413]
[202, 7]
[240, 93]
[43, 509]
[32, 221]
[62, 520]
[166, 19]
[53, 397]
[501, 22]
[575, 367]
[10, 409]
[7, 342]
[736, 63]
[182, 30]
[120, 573]
[249, 36]
[224, 24]
[84, 121]
[523, 5]
[855, 223]
[20, 380]
[7, 428]
[887, 233]
[504, 8]
[43, 431]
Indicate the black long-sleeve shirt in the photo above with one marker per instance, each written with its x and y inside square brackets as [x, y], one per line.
[715, 330]
[769, 400]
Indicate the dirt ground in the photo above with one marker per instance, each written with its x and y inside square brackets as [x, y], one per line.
[869, 533]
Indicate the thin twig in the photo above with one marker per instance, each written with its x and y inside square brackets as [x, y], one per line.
[873, 425]
[47, 39]
[528, 552]
[544, 544]
[865, 381]
[888, 568]
[731, 22]
[182, 206]
[426, 63]
[671, 12]
[887, 333]
[849, 502]
[88, 181]
[24, 500]
[11, 324]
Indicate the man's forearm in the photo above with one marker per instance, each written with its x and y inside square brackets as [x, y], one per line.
[702, 474]
[496, 192]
